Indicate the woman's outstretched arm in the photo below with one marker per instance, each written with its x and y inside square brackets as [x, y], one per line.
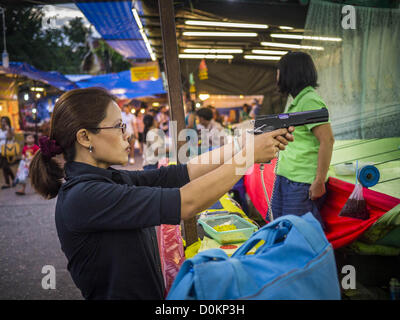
[211, 160]
[211, 182]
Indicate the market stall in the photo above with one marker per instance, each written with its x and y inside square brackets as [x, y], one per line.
[29, 95]
[121, 85]
[357, 115]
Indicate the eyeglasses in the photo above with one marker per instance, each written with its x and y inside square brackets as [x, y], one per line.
[121, 126]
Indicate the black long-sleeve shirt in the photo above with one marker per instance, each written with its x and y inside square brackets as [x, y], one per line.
[105, 221]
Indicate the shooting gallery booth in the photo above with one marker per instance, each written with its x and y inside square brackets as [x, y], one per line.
[228, 54]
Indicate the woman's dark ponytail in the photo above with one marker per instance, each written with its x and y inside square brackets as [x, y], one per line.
[46, 175]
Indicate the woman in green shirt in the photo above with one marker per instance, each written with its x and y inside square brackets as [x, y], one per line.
[302, 170]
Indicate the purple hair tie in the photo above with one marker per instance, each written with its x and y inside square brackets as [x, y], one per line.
[49, 148]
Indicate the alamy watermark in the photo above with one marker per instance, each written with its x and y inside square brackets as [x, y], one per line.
[49, 280]
[349, 280]
[195, 145]
[349, 17]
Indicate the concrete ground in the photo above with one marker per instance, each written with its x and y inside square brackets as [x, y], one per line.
[28, 242]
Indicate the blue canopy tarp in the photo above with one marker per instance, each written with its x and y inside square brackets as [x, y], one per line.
[120, 85]
[53, 78]
[78, 77]
[117, 26]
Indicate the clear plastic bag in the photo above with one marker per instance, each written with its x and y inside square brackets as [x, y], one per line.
[356, 206]
[22, 171]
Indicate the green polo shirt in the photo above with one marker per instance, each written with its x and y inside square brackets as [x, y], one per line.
[300, 159]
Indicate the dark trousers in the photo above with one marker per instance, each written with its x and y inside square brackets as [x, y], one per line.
[291, 197]
[7, 172]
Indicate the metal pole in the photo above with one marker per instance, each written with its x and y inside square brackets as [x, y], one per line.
[173, 76]
[2, 10]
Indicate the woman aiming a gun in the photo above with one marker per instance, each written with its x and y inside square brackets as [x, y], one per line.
[105, 217]
[302, 170]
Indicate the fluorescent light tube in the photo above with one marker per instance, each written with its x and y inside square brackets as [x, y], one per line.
[205, 56]
[301, 37]
[290, 45]
[144, 36]
[213, 50]
[276, 52]
[250, 57]
[219, 34]
[226, 24]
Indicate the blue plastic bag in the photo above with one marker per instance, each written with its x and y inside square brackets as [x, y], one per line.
[296, 262]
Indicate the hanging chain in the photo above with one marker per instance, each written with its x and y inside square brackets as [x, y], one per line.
[273, 188]
[269, 212]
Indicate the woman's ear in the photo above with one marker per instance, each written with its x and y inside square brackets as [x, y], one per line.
[83, 138]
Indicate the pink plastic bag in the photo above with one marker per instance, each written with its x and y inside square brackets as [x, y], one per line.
[170, 246]
[172, 254]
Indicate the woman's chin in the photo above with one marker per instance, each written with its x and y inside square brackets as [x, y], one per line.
[122, 161]
[125, 161]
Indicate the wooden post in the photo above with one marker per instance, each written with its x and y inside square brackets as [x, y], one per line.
[175, 98]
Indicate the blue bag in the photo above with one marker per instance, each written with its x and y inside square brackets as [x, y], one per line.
[295, 262]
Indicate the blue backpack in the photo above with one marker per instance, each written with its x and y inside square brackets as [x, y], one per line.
[295, 262]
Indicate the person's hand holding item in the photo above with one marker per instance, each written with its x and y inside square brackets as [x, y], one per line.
[267, 145]
[221, 178]
[317, 189]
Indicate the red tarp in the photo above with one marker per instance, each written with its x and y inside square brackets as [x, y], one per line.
[340, 231]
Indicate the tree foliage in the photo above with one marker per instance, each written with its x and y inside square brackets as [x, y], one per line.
[53, 49]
